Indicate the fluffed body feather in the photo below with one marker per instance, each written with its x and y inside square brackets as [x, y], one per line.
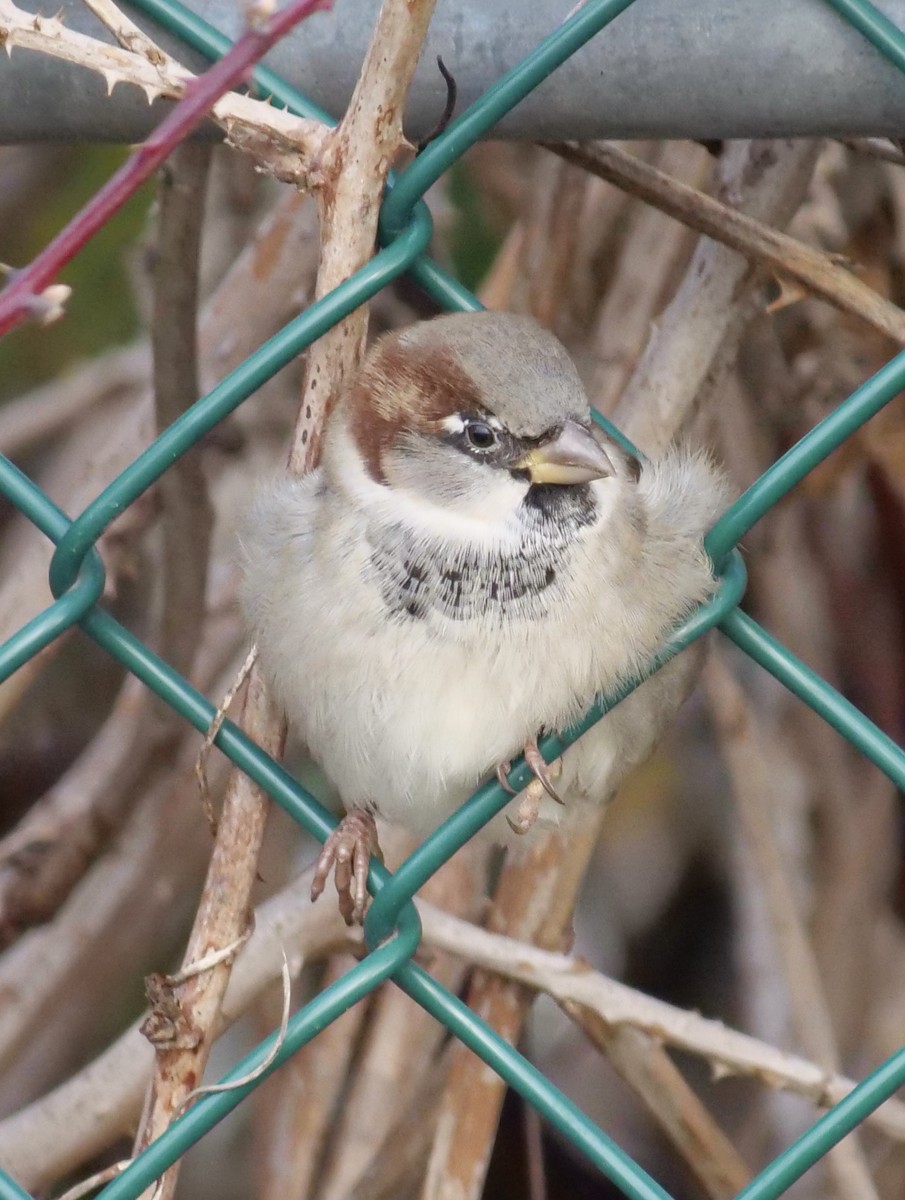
[416, 645]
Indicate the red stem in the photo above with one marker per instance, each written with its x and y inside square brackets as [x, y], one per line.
[22, 296]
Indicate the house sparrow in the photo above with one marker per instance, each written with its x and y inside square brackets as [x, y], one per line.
[471, 564]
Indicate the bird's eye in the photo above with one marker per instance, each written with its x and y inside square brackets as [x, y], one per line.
[480, 435]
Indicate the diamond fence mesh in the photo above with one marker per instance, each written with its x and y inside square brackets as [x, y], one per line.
[392, 929]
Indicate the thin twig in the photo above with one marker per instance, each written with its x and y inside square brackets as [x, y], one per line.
[48, 410]
[878, 148]
[354, 166]
[571, 981]
[64, 1128]
[697, 335]
[746, 753]
[641, 1061]
[401, 1045]
[760, 243]
[187, 516]
[222, 917]
[210, 737]
[533, 902]
[265, 1064]
[86, 1186]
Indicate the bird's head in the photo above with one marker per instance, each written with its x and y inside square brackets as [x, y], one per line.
[468, 418]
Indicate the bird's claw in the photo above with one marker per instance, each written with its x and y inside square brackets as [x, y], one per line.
[347, 853]
[543, 771]
[528, 808]
[502, 777]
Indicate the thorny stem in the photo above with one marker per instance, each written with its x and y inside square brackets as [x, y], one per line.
[23, 295]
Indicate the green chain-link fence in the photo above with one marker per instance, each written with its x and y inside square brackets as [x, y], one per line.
[392, 929]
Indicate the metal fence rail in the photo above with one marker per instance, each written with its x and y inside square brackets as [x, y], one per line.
[392, 929]
[804, 72]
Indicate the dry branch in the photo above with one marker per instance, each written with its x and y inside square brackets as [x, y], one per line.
[571, 981]
[47, 853]
[255, 296]
[187, 515]
[84, 1115]
[816, 272]
[221, 921]
[748, 759]
[355, 161]
[277, 139]
[641, 1061]
[533, 902]
[697, 335]
[352, 172]
[31, 290]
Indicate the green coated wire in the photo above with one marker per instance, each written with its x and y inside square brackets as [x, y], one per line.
[832, 1127]
[490, 799]
[812, 449]
[392, 957]
[200, 35]
[211, 1108]
[530, 1083]
[443, 287]
[229, 394]
[31, 501]
[66, 611]
[10, 1190]
[875, 26]
[838, 712]
[50, 624]
[496, 102]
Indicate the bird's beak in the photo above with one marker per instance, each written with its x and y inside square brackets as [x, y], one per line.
[573, 456]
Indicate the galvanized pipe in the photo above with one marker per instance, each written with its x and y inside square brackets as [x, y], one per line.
[664, 68]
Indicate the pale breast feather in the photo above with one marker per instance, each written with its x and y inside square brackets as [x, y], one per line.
[419, 576]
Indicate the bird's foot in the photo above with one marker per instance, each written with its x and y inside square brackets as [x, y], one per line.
[347, 853]
[543, 771]
[542, 784]
[528, 808]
